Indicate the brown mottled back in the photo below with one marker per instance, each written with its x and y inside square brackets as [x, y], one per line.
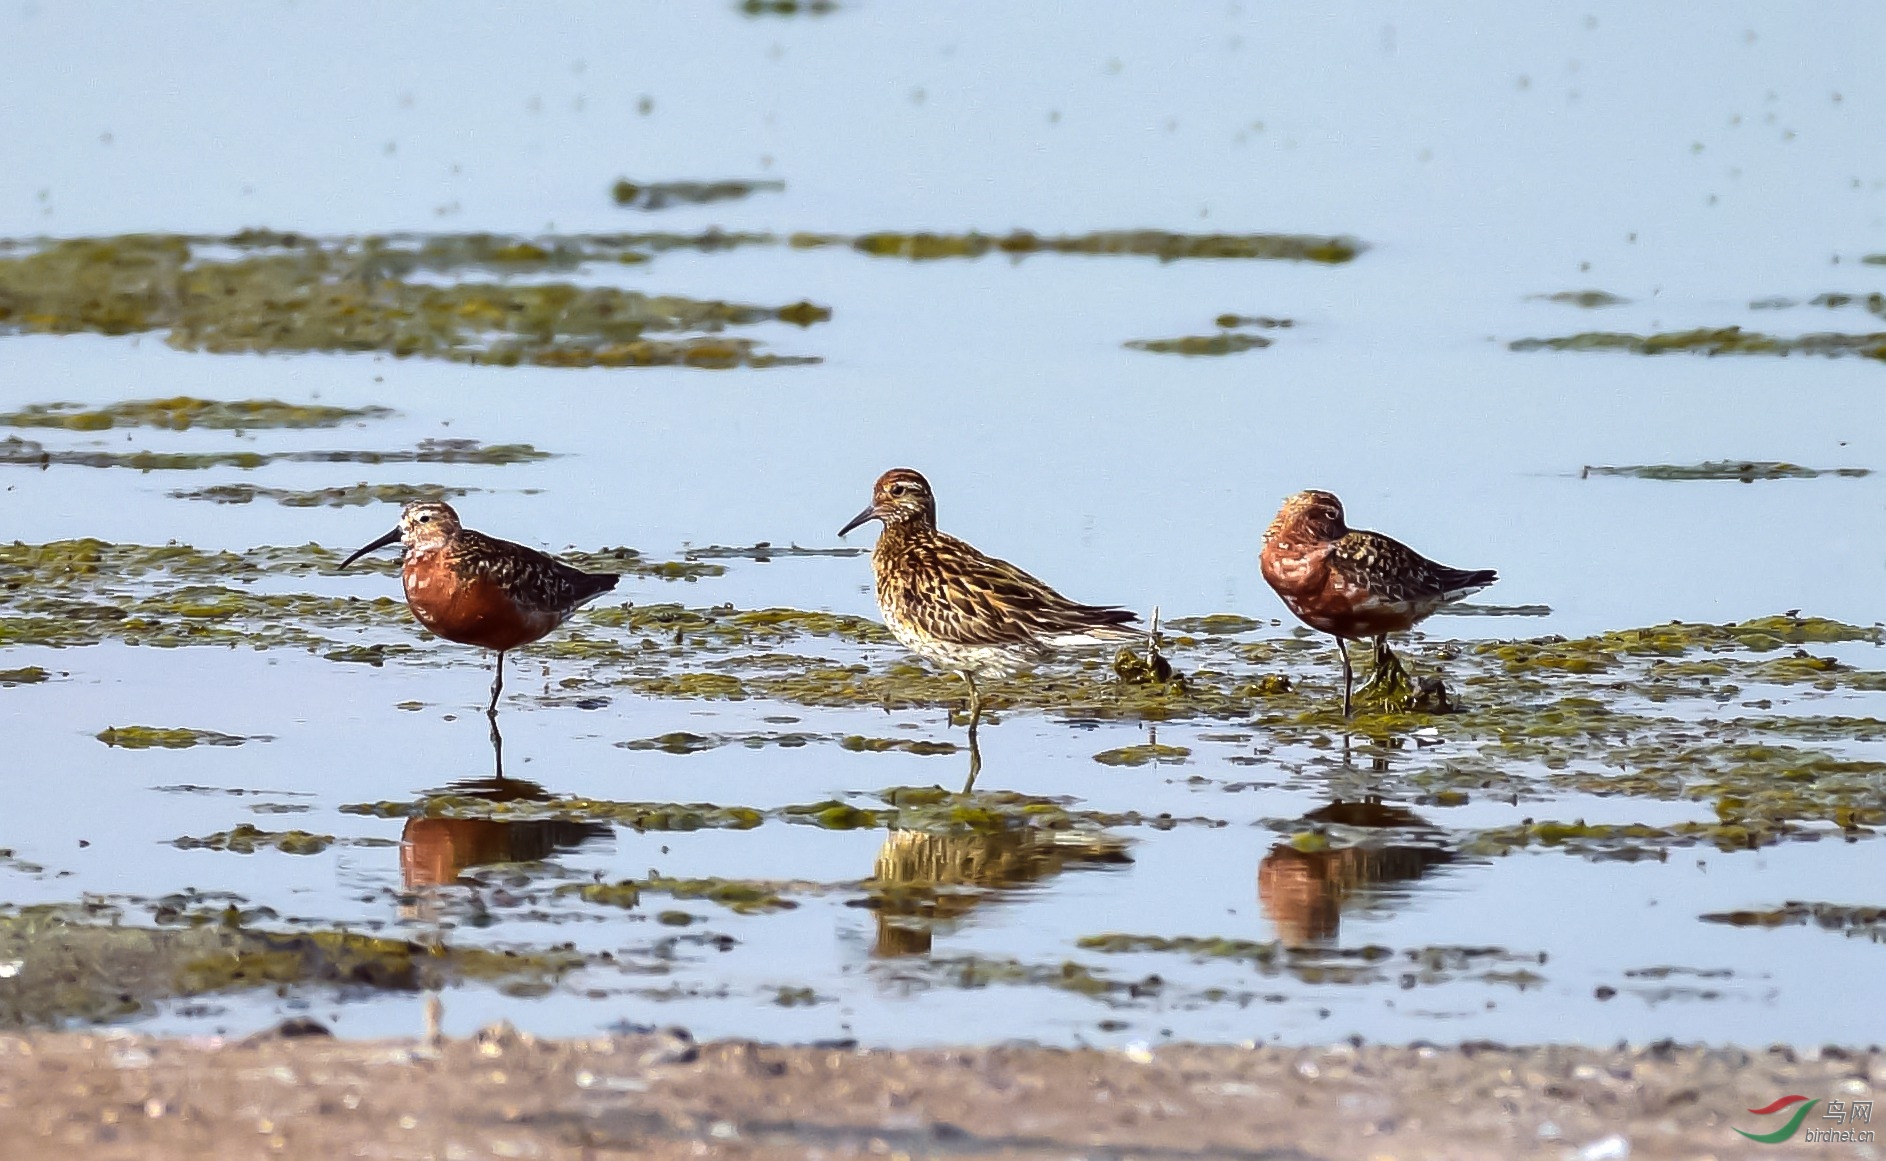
[1351, 582]
[536, 582]
[947, 590]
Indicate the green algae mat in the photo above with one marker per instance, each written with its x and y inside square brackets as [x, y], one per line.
[475, 298]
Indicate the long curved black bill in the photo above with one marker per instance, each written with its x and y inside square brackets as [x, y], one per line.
[870, 513]
[380, 543]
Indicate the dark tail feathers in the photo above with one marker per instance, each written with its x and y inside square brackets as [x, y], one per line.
[594, 584]
[1459, 582]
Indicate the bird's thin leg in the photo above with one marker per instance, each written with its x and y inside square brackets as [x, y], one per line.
[1348, 675]
[497, 687]
[497, 749]
[975, 758]
[1381, 651]
[975, 699]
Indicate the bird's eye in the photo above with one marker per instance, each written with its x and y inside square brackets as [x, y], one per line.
[900, 489]
[425, 518]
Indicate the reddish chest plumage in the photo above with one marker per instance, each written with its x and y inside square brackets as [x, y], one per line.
[1323, 597]
[469, 609]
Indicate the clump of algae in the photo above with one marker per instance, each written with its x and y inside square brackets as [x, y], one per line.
[741, 896]
[246, 839]
[184, 412]
[661, 195]
[788, 7]
[29, 453]
[1714, 341]
[1160, 244]
[164, 738]
[1222, 343]
[350, 496]
[1747, 471]
[1588, 299]
[293, 293]
[1862, 922]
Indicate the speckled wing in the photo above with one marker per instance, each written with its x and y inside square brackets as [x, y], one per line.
[536, 581]
[1395, 574]
[951, 592]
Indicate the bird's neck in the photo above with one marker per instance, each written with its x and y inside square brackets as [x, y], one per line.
[913, 530]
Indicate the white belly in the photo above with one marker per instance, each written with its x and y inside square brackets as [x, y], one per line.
[980, 660]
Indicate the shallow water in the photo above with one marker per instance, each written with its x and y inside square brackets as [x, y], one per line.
[1482, 160]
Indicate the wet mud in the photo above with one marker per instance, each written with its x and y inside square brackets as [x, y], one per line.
[300, 1093]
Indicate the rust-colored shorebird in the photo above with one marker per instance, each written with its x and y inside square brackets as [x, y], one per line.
[478, 590]
[1353, 584]
[963, 611]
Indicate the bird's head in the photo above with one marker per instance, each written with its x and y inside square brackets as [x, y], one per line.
[902, 495]
[1309, 516]
[422, 524]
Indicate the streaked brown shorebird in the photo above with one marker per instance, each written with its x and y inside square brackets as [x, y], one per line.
[963, 611]
[478, 590]
[1353, 584]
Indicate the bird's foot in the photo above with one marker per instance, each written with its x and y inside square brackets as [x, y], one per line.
[1389, 686]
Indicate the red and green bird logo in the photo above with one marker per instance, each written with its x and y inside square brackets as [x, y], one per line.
[1787, 1130]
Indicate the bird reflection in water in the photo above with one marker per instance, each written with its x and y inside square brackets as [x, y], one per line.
[924, 880]
[1304, 892]
[438, 851]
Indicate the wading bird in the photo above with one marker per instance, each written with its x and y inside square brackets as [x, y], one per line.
[965, 612]
[478, 590]
[1353, 584]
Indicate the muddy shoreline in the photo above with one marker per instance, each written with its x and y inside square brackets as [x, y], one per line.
[503, 1093]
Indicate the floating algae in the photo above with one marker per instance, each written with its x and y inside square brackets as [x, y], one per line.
[1144, 754]
[741, 896]
[1747, 471]
[1260, 321]
[682, 742]
[399, 255]
[1370, 964]
[788, 7]
[27, 453]
[1588, 299]
[1872, 303]
[293, 293]
[344, 497]
[155, 737]
[1228, 341]
[765, 551]
[1714, 341]
[661, 195]
[246, 839]
[1223, 343]
[628, 561]
[184, 412]
[1860, 922]
[1160, 244]
[927, 809]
